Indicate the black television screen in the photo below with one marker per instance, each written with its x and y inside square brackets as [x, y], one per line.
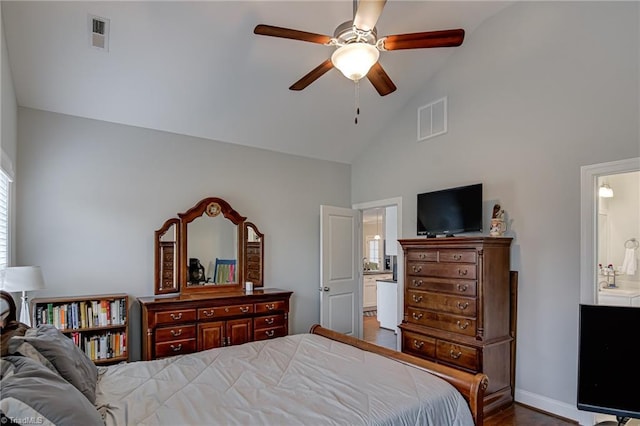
[450, 211]
[608, 371]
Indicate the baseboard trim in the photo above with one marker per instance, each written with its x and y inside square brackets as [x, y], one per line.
[552, 406]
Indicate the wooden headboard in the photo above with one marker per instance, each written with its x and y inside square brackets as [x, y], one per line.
[7, 308]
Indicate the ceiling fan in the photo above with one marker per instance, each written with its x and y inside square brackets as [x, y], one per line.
[358, 47]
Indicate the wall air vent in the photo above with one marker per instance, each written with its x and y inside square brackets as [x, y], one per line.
[98, 32]
[432, 119]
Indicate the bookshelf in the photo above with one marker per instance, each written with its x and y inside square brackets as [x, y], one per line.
[98, 324]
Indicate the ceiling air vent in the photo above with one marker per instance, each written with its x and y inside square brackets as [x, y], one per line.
[98, 32]
[432, 119]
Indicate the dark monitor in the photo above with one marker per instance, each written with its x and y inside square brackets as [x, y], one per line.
[608, 368]
[450, 211]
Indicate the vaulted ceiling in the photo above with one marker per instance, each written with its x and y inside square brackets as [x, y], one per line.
[196, 68]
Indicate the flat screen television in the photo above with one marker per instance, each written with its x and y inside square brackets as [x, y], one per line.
[450, 211]
[608, 369]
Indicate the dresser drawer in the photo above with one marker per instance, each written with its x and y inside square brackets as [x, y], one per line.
[444, 270]
[447, 322]
[176, 347]
[454, 256]
[423, 255]
[175, 316]
[269, 333]
[459, 355]
[268, 321]
[224, 311]
[178, 332]
[418, 344]
[267, 307]
[466, 288]
[442, 302]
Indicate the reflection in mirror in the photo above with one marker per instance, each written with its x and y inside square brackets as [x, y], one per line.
[166, 268]
[212, 250]
[254, 249]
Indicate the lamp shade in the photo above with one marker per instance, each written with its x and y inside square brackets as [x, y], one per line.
[354, 60]
[22, 278]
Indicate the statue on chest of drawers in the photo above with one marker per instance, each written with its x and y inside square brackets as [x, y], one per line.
[196, 271]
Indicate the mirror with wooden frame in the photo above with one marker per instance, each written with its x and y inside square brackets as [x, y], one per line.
[254, 254]
[166, 263]
[210, 247]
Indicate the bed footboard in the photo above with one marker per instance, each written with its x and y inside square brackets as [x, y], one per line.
[471, 386]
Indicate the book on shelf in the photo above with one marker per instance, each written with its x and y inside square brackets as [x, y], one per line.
[82, 314]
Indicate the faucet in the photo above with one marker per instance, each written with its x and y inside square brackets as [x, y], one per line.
[365, 264]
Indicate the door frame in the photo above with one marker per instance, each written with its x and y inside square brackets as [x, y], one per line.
[589, 220]
[387, 202]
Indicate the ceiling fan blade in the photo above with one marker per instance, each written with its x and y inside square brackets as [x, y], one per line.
[380, 80]
[312, 76]
[269, 30]
[368, 13]
[446, 38]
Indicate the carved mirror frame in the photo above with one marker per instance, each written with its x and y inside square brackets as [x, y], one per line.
[211, 207]
[171, 257]
[167, 270]
[254, 255]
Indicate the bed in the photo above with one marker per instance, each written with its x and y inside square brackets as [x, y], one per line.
[320, 377]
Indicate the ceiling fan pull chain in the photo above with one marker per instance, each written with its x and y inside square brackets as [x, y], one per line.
[357, 96]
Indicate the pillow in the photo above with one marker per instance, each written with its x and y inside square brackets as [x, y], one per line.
[70, 362]
[32, 391]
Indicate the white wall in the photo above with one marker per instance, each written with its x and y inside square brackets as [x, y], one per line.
[91, 194]
[537, 91]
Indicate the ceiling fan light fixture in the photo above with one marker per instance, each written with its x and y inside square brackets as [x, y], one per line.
[354, 60]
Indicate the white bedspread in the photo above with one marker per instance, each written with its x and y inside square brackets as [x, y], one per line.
[300, 379]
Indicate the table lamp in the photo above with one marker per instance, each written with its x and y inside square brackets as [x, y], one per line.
[23, 278]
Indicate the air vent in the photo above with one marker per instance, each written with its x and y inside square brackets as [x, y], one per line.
[98, 32]
[432, 119]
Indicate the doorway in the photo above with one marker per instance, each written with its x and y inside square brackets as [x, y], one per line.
[609, 229]
[380, 283]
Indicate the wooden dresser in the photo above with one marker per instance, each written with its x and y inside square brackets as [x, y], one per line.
[197, 321]
[458, 309]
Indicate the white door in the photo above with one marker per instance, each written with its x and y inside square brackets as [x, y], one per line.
[340, 299]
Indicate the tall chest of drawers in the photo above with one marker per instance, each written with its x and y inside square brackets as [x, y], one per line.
[458, 309]
[174, 325]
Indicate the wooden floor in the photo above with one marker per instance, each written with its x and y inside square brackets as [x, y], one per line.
[516, 415]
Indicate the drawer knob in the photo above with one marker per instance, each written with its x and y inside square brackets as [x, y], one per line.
[176, 348]
[208, 313]
[457, 257]
[244, 309]
[418, 345]
[454, 355]
[269, 321]
[270, 333]
[461, 325]
[176, 333]
[463, 306]
[271, 307]
[417, 283]
[175, 317]
[422, 255]
[416, 268]
[417, 298]
[462, 272]
[418, 316]
[462, 288]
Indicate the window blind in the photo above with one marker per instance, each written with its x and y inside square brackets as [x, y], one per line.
[4, 220]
